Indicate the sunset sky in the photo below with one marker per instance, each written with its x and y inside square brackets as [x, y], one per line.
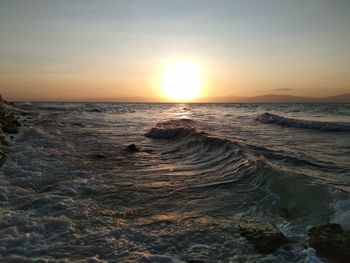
[81, 49]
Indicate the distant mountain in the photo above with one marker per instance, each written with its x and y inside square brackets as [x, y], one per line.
[268, 98]
[343, 98]
[277, 98]
[135, 99]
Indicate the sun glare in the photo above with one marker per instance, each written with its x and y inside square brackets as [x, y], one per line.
[182, 80]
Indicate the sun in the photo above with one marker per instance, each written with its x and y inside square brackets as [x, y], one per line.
[182, 80]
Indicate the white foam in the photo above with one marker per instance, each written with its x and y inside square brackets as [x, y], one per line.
[342, 214]
[310, 256]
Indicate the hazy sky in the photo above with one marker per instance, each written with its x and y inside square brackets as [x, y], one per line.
[79, 49]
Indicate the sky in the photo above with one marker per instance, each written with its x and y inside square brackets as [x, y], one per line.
[103, 49]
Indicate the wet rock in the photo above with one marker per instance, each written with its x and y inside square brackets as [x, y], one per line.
[133, 148]
[285, 212]
[265, 237]
[8, 122]
[2, 138]
[331, 241]
[77, 124]
[2, 157]
[99, 156]
[9, 103]
[195, 261]
[95, 110]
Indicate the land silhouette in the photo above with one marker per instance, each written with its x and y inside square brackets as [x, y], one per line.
[267, 98]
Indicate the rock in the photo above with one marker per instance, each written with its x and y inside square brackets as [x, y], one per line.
[76, 124]
[2, 138]
[9, 127]
[99, 156]
[2, 157]
[285, 212]
[95, 110]
[8, 122]
[133, 148]
[265, 237]
[9, 103]
[331, 241]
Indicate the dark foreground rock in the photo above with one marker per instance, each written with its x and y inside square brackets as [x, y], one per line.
[133, 148]
[331, 241]
[99, 156]
[265, 237]
[8, 122]
[2, 157]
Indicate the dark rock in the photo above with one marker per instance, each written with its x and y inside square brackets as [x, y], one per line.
[99, 156]
[285, 213]
[77, 124]
[265, 237]
[331, 241]
[9, 128]
[95, 110]
[133, 148]
[8, 122]
[9, 103]
[2, 138]
[2, 157]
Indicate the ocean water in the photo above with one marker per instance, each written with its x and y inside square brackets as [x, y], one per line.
[70, 190]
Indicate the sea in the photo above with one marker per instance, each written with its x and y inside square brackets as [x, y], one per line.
[143, 182]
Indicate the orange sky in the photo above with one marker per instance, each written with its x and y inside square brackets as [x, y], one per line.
[59, 50]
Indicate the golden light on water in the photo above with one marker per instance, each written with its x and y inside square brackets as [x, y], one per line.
[182, 80]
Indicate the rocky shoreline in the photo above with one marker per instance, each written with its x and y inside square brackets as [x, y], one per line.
[265, 237]
[329, 240]
[9, 124]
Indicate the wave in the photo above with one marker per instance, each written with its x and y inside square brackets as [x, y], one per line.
[172, 128]
[303, 124]
[259, 176]
[189, 138]
[191, 181]
[201, 151]
[186, 140]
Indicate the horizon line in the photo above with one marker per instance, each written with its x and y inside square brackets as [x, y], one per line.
[222, 99]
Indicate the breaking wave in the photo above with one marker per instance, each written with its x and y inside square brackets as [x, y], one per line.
[192, 142]
[172, 128]
[303, 124]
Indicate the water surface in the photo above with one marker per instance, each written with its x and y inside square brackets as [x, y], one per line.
[70, 190]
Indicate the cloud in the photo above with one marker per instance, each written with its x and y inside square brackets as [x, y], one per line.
[279, 89]
[283, 89]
